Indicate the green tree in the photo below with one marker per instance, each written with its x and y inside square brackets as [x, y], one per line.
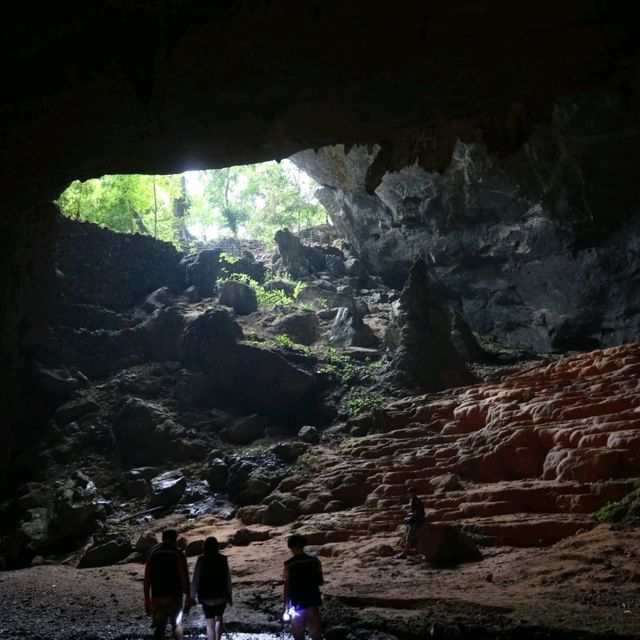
[126, 203]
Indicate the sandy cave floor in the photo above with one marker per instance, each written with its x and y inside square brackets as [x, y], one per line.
[586, 586]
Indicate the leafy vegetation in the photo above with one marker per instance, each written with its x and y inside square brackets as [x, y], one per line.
[625, 510]
[252, 201]
[284, 340]
[275, 299]
[360, 377]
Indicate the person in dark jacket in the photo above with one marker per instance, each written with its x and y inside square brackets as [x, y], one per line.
[166, 580]
[414, 524]
[302, 581]
[211, 585]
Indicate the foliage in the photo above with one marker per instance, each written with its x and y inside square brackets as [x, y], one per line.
[284, 340]
[127, 203]
[625, 510]
[253, 201]
[256, 200]
[360, 399]
[276, 299]
[358, 376]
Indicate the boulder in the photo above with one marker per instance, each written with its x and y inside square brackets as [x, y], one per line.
[302, 327]
[257, 486]
[201, 270]
[105, 554]
[336, 267]
[297, 259]
[144, 432]
[239, 296]
[244, 537]
[446, 544]
[348, 330]
[239, 472]
[159, 299]
[161, 334]
[146, 541]
[289, 451]
[58, 382]
[77, 507]
[279, 284]
[167, 489]
[260, 378]
[75, 409]
[208, 339]
[217, 474]
[277, 514]
[246, 430]
[194, 548]
[192, 294]
[309, 434]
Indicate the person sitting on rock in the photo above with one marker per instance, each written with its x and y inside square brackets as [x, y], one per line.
[211, 585]
[302, 581]
[413, 525]
[166, 580]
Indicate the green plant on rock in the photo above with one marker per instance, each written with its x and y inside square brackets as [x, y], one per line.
[625, 510]
[360, 399]
[284, 340]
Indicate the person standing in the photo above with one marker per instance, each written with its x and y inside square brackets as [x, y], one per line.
[166, 581]
[413, 525]
[302, 581]
[211, 585]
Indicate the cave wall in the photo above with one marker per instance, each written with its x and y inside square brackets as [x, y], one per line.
[538, 248]
[101, 267]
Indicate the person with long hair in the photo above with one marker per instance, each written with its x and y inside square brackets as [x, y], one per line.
[211, 585]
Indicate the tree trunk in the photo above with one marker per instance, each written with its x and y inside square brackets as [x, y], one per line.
[179, 213]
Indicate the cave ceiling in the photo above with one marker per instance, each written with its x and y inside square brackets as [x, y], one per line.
[160, 87]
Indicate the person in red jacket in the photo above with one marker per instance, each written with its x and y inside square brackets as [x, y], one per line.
[166, 583]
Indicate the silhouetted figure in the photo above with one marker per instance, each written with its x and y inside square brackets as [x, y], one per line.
[166, 581]
[413, 525]
[211, 585]
[302, 599]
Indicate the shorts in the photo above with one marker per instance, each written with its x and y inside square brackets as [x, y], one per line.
[413, 533]
[213, 610]
[166, 609]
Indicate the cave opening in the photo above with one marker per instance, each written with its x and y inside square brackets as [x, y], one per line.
[472, 324]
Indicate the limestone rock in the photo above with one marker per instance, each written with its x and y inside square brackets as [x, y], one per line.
[446, 544]
[201, 270]
[298, 259]
[350, 331]
[246, 430]
[167, 489]
[159, 299]
[161, 334]
[146, 541]
[105, 553]
[290, 451]
[302, 326]
[426, 359]
[217, 474]
[75, 409]
[244, 537]
[239, 296]
[309, 434]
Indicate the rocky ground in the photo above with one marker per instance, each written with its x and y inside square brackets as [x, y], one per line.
[583, 587]
[218, 410]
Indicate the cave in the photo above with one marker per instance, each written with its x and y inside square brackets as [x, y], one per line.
[479, 162]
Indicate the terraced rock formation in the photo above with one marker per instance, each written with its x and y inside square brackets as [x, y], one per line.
[523, 461]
